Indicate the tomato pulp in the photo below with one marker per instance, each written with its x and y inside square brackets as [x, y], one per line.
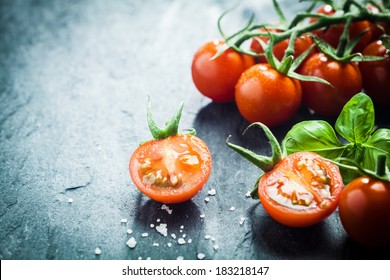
[301, 190]
[171, 170]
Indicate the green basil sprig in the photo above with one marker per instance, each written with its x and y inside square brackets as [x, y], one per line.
[361, 142]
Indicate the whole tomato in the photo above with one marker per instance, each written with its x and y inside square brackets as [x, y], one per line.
[216, 78]
[376, 74]
[265, 95]
[324, 99]
[301, 44]
[332, 34]
[364, 210]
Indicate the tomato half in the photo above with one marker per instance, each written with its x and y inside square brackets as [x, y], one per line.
[376, 74]
[364, 211]
[171, 170]
[265, 95]
[216, 78]
[344, 77]
[301, 190]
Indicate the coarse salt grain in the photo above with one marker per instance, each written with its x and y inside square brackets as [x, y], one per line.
[145, 234]
[216, 247]
[129, 231]
[207, 199]
[242, 220]
[189, 241]
[70, 200]
[248, 194]
[162, 229]
[155, 244]
[180, 258]
[166, 208]
[207, 236]
[98, 251]
[201, 256]
[152, 225]
[131, 242]
[212, 192]
[173, 236]
[202, 216]
[232, 208]
[124, 221]
[181, 241]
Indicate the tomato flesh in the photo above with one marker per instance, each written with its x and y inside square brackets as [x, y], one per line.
[171, 170]
[364, 211]
[303, 189]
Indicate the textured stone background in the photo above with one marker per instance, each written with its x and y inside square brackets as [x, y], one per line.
[74, 81]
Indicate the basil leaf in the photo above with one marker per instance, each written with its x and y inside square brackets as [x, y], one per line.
[378, 143]
[314, 136]
[357, 119]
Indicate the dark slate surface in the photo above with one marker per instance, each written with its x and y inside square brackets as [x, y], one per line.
[75, 76]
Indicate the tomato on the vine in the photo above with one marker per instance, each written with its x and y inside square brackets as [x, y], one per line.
[216, 78]
[171, 170]
[364, 211]
[345, 79]
[301, 190]
[265, 95]
[376, 74]
[301, 44]
[332, 34]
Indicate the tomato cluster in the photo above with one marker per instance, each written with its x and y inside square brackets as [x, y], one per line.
[268, 95]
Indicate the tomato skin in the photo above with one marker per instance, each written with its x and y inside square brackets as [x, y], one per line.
[301, 44]
[289, 172]
[332, 34]
[364, 211]
[376, 74]
[171, 170]
[265, 95]
[323, 99]
[216, 78]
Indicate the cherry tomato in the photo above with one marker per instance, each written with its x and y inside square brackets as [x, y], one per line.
[265, 95]
[216, 78]
[171, 170]
[364, 210]
[301, 190]
[333, 33]
[377, 28]
[376, 74]
[301, 44]
[324, 99]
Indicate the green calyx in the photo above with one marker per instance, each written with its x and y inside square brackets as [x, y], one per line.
[264, 163]
[171, 127]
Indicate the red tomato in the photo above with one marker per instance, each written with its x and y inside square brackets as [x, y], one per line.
[376, 74]
[301, 44]
[364, 210]
[216, 78]
[333, 33]
[301, 190]
[265, 95]
[171, 170]
[324, 99]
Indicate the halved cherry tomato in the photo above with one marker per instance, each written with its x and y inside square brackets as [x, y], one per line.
[301, 190]
[344, 77]
[364, 211]
[332, 34]
[216, 78]
[265, 95]
[376, 74]
[171, 170]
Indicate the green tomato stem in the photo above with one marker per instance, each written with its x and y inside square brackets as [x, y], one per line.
[381, 165]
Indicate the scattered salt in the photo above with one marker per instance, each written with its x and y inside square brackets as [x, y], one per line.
[181, 241]
[180, 258]
[207, 236]
[129, 231]
[151, 225]
[166, 208]
[173, 236]
[201, 256]
[248, 194]
[124, 221]
[212, 192]
[242, 220]
[207, 199]
[202, 216]
[189, 241]
[70, 200]
[169, 244]
[155, 244]
[216, 247]
[98, 251]
[145, 234]
[162, 229]
[232, 208]
[131, 242]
